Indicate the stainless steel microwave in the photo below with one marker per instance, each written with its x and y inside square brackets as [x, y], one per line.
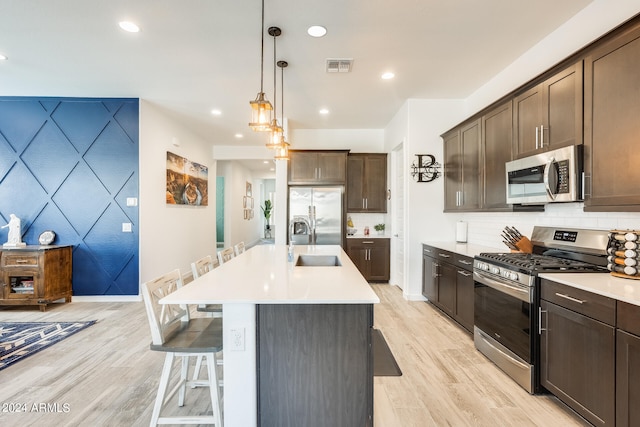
[552, 176]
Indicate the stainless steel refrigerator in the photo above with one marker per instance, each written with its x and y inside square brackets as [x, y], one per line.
[315, 215]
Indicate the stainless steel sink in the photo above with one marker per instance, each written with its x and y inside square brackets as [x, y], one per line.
[318, 261]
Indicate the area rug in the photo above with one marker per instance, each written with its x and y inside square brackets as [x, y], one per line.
[22, 339]
[384, 364]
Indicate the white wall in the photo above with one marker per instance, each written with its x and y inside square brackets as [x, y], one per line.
[357, 140]
[171, 236]
[418, 126]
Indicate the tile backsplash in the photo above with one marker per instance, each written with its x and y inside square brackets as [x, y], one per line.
[484, 228]
[360, 220]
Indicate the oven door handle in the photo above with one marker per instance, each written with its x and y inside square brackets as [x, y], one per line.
[514, 291]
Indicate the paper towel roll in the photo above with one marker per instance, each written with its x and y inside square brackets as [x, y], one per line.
[461, 232]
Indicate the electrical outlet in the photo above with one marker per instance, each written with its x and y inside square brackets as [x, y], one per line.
[126, 227]
[237, 339]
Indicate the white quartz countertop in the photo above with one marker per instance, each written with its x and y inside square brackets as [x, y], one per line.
[627, 290]
[262, 275]
[466, 249]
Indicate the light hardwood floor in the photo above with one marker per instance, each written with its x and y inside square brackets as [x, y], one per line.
[107, 376]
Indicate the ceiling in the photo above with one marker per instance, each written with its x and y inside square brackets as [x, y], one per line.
[192, 56]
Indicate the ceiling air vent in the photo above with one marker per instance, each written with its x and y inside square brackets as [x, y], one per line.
[339, 65]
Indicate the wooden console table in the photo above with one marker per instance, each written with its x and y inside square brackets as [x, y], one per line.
[35, 275]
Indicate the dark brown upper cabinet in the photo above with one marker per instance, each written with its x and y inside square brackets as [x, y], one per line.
[462, 160]
[549, 115]
[497, 139]
[612, 124]
[367, 183]
[317, 167]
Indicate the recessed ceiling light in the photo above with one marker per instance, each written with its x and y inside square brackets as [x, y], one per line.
[216, 112]
[239, 135]
[387, 76]
[129, 26]
[316, 31]
[324, 111]
[3, 57]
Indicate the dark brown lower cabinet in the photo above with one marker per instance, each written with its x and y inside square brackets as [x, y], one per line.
[315, 365]
[628, 365]
[627, 379]
[371, 256]
[578, 352]
[447, 282]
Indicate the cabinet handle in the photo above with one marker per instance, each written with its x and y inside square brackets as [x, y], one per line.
[435, 270]
[541, 136]
[367, 242]
[22, 261]
[319, 173]
[537, 130]
[428, 250]
[445, 255]
[464, 273]
[465, 262]
[540, 328]
[366, 203]
[579, 301]
[586, 178]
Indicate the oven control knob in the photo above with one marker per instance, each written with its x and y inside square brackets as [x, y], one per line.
[513, 276]
[495, 270]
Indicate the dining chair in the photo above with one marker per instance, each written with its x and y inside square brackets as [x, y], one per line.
[239, 248]
[225, 255]
[177, 335]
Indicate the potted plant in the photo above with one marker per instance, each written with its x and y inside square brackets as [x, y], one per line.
[266, 211]
[379, 228]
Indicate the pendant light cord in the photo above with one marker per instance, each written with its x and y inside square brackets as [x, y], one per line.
[262, 51]
[274, 76]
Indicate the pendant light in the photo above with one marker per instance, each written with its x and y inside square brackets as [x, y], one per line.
[282, 149]
[261, 107]
[275, 128]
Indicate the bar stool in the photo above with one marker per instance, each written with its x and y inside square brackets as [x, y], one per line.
[225, 255]
[239, 248]
[198, 268]
[174, 333]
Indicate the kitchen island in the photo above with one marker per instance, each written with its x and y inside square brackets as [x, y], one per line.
[297, 342]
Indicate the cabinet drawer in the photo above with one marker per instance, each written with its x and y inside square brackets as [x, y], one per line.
[442, 255]
[628, 317]
[370, 243]
[19, 260]
[595, 306]
[429, 251]
[463, 261]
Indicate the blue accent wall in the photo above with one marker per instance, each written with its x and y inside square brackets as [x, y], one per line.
[69, 165]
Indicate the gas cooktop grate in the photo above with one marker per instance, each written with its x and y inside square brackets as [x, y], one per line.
[535, 262]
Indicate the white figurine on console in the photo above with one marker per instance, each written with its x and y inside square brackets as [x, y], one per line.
[14, 239]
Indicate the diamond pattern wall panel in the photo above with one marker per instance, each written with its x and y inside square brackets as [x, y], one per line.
[68, 165]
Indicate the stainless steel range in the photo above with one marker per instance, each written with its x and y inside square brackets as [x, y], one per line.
[506, 300]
